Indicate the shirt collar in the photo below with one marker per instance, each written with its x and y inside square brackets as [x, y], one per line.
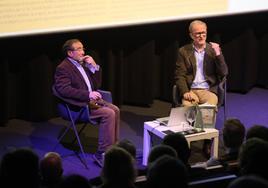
[74, 62]
[195, 49]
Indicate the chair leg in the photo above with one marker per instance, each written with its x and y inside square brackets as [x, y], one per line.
[76, 138]
[224, 113]
[225, 102]
[79, 132]
[72, 124]
[61, 136]
[80, 145]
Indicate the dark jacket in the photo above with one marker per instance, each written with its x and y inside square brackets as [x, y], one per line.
[70, 85]
[215, 68]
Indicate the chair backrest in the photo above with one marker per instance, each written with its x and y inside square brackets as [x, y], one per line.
[106, 95]
[176, 100]
[222, 92]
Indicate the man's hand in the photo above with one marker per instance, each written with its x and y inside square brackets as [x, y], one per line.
[216, 48]
[88, 59]
[94, 95]
[190, 96]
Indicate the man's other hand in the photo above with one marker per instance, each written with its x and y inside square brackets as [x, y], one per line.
[94, 95]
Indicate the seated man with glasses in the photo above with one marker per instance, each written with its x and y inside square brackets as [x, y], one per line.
[200, 67]
[77, 79]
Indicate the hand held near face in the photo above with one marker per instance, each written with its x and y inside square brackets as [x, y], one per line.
[80, 61]
[89, 60]
[216, 48]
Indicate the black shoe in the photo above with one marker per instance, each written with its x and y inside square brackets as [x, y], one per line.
[98, 159]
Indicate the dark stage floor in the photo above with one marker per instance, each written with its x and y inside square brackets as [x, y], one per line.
[250, 108]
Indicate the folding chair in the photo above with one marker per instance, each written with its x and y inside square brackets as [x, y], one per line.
[76, 114]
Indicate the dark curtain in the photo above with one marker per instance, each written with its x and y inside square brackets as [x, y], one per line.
[138, 62]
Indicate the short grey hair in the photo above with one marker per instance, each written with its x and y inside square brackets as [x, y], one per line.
[68, 45]
[199, 22]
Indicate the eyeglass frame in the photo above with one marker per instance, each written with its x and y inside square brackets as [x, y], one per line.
[199, 34]
[78, 49]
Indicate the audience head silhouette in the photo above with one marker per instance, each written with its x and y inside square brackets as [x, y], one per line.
[75, 181]
[233, 133]
[167, 171]
[253, 158]
[20, 168]
[128, 146]
[249, 182]
[178, 142]
[51, 168]
[118, 169]
[160, 150]
[258, 131]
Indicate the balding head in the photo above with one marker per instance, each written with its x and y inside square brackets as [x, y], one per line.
[51, 167]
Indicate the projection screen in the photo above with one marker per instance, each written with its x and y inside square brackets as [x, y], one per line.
[28, 17]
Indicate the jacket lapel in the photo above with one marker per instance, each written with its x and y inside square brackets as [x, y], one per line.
[193, 62]
[208, 55]
[76, 72]
[191, 58]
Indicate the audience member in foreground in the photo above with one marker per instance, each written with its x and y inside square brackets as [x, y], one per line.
[75, 181]
[167, 171]
[126, 145]
[257, 131]
[249, 182]
[51, 170]
[253, 158]
[119, 169]
[179, 143]
[233, 137]
[20, 168]
[160, 150]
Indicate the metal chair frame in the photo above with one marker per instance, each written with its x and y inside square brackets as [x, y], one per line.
[76, 114]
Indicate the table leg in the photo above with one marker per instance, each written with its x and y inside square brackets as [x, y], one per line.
[146, 146]
[215, 147]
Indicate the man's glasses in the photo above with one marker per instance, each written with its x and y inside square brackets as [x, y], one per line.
[78, 49]
[199, 34]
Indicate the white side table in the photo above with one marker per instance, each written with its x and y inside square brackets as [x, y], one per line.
[153, 127]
